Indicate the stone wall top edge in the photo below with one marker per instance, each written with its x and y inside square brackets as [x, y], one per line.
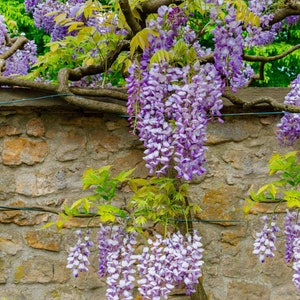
[20, 98]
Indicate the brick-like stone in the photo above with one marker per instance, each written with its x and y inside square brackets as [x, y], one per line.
[220, 204]
[41, 270]
[249, 290]
[9, 130]
[35, 127]
[22, 150]
[71, 145]
[22, 217]
[43, 239]
[9, 245]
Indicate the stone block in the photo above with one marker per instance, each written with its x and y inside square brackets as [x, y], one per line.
[238, 290]
[41, 270]
[22, 217]
[70, 145]
[22, 150]
[8, 130]
[221, 204]
[9, 245]
[43, 239]
[35, 127]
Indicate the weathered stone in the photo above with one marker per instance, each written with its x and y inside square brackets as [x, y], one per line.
[3, 271]
[22, 217]
[229, 131]
[35, 127]
[44, 239]
[41, 270]
[249, 290]
[8, 130]
[26, 184]
[9, 245]
[21, 150]
[220, 204]
[71, 145]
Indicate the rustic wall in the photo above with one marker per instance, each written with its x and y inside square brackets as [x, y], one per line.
[44, 150]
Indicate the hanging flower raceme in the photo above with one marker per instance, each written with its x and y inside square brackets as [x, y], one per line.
[165, 263]
[264, 245]
[78, 259]
[289, 126]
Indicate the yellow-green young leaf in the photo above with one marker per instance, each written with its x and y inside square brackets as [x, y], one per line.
[92, 177]
[47, 225]
[141, 39]
[77, 203]
[141, 220]
[107, 217]
[180, 49]
[54, 46]
[263, 189]
[86, 205]
[75, 26]
[89, 61]
[123, 176]
[293, 198]
[60, 17]
[161, 55]
[192, 55]
[273, 190]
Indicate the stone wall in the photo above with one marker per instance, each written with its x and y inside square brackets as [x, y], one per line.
[46, 147]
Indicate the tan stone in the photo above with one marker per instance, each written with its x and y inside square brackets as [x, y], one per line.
[35, 127]
[22, 217]
[22, 150]
[9, 246]
[43, 239]
[221, 204]
[71, 145]
[8, 130]
[248, 290]
[41, 270]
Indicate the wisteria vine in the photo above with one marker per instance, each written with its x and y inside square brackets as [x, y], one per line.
[164, 263]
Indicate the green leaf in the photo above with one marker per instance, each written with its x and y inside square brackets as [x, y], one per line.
[141, 39]
[161, 55]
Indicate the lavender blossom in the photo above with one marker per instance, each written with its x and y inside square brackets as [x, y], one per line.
[264, 245]
[296, 264]
[289, 126]
[78, 259]
[292, 232]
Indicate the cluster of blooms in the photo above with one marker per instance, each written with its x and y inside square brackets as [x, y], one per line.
[168, 263]
[78, 259]
[229, 46]
[20, 62]
[170, 104]
[289, 126]
[264, 245]
[258, 35]
[164, 264]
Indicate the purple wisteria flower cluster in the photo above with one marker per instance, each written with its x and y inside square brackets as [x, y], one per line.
[165, 263]
[289, 126]
[168, 105]
[264, 245]
[78, 259]
[21, 61]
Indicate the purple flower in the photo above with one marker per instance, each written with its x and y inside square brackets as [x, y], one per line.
[289, 126]
[292, 232]
[78, 259]
[296, 264]
[264, 245]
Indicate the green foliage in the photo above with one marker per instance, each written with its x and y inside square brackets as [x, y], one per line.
[19, 21]
[156, 200]
[286, 188]
[279, 72]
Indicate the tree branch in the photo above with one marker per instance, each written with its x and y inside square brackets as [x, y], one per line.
[259, 58]
[264, 100]
[291, 8]
[130, 19]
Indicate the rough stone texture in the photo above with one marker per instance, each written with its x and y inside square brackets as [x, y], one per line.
[43, 156]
